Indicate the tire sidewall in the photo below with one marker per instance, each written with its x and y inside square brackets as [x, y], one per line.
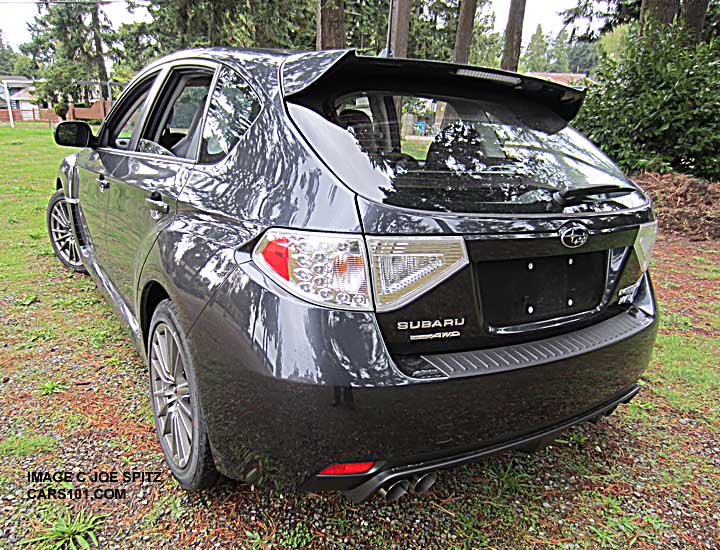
[58, 196]
[189, 475]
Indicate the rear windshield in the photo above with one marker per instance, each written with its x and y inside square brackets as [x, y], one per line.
[442, 153]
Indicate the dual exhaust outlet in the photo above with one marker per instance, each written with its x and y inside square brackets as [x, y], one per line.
[395, 490]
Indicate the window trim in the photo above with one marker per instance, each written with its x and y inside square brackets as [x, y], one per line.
[161, 73]
[197, 140]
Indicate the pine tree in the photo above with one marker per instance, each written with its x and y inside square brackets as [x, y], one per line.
[582, 57]
[67, 45]
[559, 55]
[330, 24]
[8, 56]
[366, 25]
[433, 24]
[487, 46]
[536, 54]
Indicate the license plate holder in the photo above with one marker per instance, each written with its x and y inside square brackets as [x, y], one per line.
[528, 290]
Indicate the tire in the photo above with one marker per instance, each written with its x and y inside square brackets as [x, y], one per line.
[176, 403]
[60, 232]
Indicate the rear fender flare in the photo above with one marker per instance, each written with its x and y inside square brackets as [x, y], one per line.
[191, 257]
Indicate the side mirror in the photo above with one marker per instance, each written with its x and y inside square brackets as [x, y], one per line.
[74, 133]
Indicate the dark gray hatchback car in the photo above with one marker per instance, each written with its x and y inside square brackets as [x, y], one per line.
[348, 272]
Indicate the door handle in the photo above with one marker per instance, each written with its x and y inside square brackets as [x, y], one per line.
[156, 205]
[103, 184]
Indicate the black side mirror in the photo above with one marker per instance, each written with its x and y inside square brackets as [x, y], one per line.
[74, 133]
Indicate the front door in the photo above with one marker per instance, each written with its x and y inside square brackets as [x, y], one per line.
[93, 201]
[97, 166]
[145, 182]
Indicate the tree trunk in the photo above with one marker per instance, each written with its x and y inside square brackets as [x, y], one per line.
[400, 27]
[513, 36]
[183, 20]
[99, 55]
[464, 34]
[660, 11]
[330, 24]
[693, 17]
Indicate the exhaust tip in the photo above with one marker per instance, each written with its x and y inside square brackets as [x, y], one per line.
[424, 482]
[394, 490]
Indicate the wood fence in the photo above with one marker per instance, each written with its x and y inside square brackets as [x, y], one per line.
[97, 111]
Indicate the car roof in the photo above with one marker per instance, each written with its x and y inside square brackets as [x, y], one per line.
[291, 72]
[261, 66]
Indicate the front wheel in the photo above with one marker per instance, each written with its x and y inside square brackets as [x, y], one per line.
[176, 402]
[61, 234]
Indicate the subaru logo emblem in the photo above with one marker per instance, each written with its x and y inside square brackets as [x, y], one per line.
[574, 235]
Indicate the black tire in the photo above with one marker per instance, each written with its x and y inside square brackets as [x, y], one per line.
[60, 232]
[199, 470]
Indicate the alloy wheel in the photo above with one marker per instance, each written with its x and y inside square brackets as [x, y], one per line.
[171, 395]
[62, 235]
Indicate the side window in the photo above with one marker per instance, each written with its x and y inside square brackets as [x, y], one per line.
[233, 107]
[123, 127]
[174, 123]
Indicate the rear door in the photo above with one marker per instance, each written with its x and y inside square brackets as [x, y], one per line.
[148, 178]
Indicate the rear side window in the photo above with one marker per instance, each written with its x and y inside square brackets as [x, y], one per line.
[233, 108]
[173, 127]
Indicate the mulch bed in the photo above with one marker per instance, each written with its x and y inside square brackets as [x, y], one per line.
[684, 205]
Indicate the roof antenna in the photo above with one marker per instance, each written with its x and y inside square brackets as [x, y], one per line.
[387, 50]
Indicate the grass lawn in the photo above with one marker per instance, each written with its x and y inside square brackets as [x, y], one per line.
[73, 397]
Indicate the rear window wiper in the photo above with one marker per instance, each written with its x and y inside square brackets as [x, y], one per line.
[576, 195]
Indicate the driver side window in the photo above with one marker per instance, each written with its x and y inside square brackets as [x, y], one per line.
[123, 128]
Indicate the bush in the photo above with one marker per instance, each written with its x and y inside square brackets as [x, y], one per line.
[684, 205]
[658, 106]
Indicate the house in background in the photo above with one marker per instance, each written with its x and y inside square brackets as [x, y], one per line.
[20, 90]
[568, 79]
[22, 100]
[25, 107]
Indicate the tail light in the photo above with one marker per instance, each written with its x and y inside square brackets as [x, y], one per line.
[322, 268]
[644, 243]
[332, 269]
[403, 268]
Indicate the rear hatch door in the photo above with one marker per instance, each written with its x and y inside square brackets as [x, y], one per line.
[439, 152]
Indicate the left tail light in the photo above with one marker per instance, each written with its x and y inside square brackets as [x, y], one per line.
[404, 268]
[328, 269]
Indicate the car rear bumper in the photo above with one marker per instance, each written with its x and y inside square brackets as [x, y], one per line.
[362, 487]
[302, 387]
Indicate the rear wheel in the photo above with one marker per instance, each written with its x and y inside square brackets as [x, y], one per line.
[176, 402]
[61, 234]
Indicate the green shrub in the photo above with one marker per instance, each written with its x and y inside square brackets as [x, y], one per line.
[658, 106]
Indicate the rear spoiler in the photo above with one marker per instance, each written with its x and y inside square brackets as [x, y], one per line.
[336, 69]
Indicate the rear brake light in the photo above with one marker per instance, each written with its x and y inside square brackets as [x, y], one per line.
[403, 268]
[644, 243]
[322, 268]
[347, 468]
[276, 256]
